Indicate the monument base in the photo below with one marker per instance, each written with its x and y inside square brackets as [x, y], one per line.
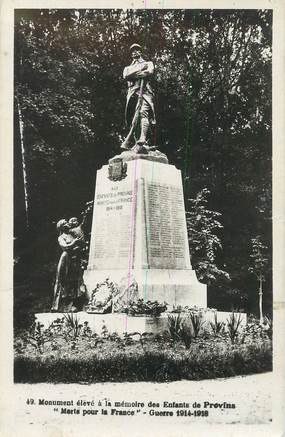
[121, 323]
[139, 231]
[175, 287]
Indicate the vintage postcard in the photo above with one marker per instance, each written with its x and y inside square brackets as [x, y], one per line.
[142, 218]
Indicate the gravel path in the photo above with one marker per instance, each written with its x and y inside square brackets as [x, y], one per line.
[247, 398]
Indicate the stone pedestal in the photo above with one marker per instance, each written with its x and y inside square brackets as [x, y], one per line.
[121, 323]
[139, 232]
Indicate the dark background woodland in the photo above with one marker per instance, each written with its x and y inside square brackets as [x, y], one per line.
[213, 103]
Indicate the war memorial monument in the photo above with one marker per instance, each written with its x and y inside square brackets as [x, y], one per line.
[139, 226]
[139, 243]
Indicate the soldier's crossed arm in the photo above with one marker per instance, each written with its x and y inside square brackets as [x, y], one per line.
[138, 70]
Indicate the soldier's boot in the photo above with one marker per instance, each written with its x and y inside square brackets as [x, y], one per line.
[144, 131]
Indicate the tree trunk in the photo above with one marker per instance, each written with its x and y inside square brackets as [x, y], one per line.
[21, 129]
[260, 300]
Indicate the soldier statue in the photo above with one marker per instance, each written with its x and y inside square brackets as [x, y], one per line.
[140, 113]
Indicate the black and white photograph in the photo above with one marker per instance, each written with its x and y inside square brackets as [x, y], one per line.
[143, 222]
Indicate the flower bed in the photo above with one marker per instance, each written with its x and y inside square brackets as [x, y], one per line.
[71, 352]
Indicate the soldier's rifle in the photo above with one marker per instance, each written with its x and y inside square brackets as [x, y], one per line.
[127, 140]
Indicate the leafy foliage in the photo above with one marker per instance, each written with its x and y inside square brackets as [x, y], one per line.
[259, 267]
[108, 357]
[73, 326]
[149, 308]
[216, 326]
[233, 325]
[213, 104]
[204, 242]
[259, 258]
[196, 322]
[185, 329]
[175, 323]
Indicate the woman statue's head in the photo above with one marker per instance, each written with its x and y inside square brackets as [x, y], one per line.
[62, 225]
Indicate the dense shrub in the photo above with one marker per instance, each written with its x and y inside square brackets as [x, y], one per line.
[117, 360]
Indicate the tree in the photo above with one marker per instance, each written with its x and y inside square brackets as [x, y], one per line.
[213, 106]
[203, 225]
[259, 267]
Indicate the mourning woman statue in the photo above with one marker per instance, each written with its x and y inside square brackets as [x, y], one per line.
[69, 287]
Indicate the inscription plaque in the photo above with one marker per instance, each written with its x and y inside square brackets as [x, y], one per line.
[112, 229]
[166, 226]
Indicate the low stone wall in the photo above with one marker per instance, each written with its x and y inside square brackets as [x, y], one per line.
[122, 323]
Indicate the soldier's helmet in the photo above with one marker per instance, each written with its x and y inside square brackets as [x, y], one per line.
[135, 47]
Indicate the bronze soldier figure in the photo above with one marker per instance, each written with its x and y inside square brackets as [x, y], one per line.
[140, 106]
